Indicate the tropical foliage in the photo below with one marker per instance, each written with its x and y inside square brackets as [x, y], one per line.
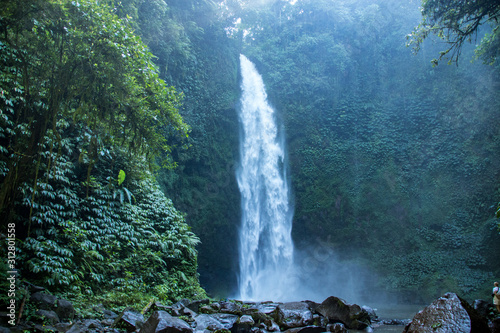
[458, 22]
[84, 116]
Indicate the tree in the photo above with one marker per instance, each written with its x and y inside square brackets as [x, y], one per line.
[457, 22]
[81, 103]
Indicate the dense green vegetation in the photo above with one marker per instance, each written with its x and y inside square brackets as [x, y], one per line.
[85, 119]
[458, 22]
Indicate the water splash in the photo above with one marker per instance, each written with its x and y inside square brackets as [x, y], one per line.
[266, 247]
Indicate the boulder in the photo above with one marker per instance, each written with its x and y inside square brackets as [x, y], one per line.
[267, 308]
[338, 311]
[108, 314]
[86, 325]
[448, 313]
[294, 314]
[482, 307]
[195, 305]
[129, 320]
[48, 316]
[244, 324]
[65, 310]
[231, 308]
[214, 322]
[371, 312]
[163, 322]
[207, 309]
[44, 301]
[336, 328]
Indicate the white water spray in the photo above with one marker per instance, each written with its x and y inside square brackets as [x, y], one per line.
[266, 248]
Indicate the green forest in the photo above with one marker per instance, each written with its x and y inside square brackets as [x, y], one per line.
[119, 143]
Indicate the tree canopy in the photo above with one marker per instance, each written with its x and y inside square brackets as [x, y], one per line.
[458, 22]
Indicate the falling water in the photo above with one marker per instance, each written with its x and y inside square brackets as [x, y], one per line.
[266, 248]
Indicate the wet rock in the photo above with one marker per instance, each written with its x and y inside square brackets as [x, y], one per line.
[351, 315]
[43, 301]
[336, 328]
[63, 327]
[371, 312]
[207, 309]
[108, 314]
[47, 316]
[129, 320]
[267, 308]
[214, 322]
[448, 313]
[65, 310]
[294, 314]
[482, 307]
[231, 308]
[163, 322]
[319, 320]
[244, 324]
[86, 325]
[196, 305]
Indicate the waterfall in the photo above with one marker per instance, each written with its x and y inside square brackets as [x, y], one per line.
[265, 243]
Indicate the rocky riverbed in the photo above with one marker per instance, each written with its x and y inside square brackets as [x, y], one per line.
[448, 313]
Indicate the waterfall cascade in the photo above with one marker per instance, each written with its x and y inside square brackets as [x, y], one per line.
[266, 247]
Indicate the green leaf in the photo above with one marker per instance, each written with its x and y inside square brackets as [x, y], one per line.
[121, 177]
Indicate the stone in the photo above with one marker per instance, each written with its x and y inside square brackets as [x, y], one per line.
[338, 311]
[181, 304]
[65, 310]
[231, 308]
[47, 316]
[85, 326]
[448, 313]
[482, 307]
[44, 301]
[294, 314]
[336, 328]
[207, 309]
[214, 322]
[244, 324]
[63, 327]
[108, 314]
[195, 305]
[371, 312]
[129, 320]
[162, 322]
[267, 307]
